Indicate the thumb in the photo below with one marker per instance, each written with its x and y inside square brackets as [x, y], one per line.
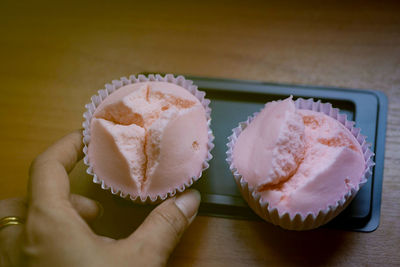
[164, 226]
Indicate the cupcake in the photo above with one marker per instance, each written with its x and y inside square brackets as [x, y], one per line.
[298, 164]
[147, 137]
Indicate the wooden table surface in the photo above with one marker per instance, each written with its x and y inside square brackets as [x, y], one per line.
[55, 55]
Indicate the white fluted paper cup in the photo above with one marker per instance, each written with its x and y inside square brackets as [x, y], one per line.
[298, 221]
[97, 99]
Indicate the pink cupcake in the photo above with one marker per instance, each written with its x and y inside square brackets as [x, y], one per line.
[298, 164]
[147, 137]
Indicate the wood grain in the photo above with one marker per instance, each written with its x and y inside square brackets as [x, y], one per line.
[55, 55]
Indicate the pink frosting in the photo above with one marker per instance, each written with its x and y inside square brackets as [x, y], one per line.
[148, 138]
[300, 161]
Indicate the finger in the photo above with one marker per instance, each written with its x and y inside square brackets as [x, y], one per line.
[87, 208]
[49, 181]
[11, 236]
[163, 228]
[13, 207]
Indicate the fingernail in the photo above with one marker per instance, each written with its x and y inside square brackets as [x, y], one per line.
[189, 203]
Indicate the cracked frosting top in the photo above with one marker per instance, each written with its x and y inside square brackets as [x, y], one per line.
[148, 138]
[300, 161]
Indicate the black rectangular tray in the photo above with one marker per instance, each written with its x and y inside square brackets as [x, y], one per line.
[232, 101]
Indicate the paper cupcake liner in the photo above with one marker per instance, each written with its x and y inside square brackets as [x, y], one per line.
[298, 221]
[115, 85]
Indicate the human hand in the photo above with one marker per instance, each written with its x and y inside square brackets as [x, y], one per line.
[57, 234]
[11, 238]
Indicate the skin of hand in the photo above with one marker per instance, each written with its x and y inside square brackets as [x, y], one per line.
[11, 237]
[56, 232]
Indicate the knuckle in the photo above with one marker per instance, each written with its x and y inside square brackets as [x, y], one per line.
[40, 160]
[39, 223]
[34, 228]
